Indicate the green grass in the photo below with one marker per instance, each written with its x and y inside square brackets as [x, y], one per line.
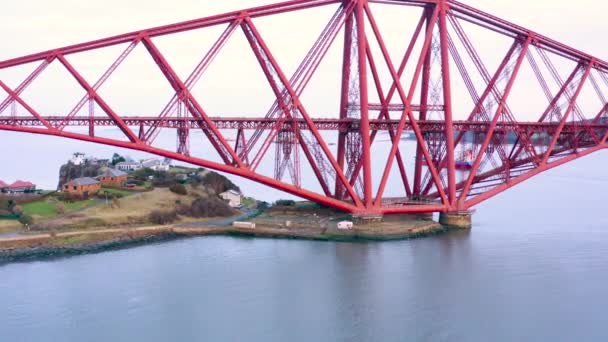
[112, 191]
[181, 169]
[48, 209]
[248, 201]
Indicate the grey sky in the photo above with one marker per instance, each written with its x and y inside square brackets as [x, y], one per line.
[33, 25]
[38, 25]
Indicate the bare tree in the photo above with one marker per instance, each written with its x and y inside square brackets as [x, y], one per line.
[115, 202]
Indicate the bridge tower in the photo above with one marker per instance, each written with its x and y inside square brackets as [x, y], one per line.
[438, 69]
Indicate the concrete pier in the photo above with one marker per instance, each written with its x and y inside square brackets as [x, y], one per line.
[458, 219]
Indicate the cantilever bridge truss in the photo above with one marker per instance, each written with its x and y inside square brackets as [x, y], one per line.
[439, 91]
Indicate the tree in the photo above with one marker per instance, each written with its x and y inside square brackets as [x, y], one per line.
[117, 158]
[11, 204]
[219, 183]
[17, 210]
[26, 220]
[115, 202]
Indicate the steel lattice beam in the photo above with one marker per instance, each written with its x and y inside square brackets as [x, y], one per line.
[348, 177]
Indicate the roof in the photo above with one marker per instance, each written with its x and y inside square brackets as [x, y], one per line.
[21, 184]
[83, 181]
[152, 163]
[3, 185]
[114, 173]
[128, 163]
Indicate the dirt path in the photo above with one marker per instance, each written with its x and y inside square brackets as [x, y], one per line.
[88, 237]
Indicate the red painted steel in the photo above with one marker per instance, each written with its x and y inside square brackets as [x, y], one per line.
[503, 151]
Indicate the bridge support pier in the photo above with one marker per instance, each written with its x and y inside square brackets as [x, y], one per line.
[457, 219]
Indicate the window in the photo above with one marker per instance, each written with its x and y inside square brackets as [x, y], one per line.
[75, 188]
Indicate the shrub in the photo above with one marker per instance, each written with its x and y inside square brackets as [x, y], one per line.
[64, 197]
[26, 220]
[60, 208]
[137, 182]
[182, 209]
[3, 203]
[17, 210]
[11, 204]
[142, 174]
[163, 217]
[285, 203]
[179, 189]
[161, 178]
[210, 207]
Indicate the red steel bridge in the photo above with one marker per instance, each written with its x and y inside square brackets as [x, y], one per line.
[439, 90]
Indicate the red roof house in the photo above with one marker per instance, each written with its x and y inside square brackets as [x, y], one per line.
[21, 186]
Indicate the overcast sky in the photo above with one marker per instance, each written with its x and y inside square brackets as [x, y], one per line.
[29, 26]
[234, 84]
[35, 25]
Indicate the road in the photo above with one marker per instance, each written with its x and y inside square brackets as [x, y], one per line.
[246, 214]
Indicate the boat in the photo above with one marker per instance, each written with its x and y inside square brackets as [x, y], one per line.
[465, 161]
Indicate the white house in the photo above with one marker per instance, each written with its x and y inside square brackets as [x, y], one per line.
[232, 197]
[78, 158]
[155, 164]
[128, 166]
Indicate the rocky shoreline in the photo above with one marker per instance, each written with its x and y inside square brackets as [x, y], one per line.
[47, 246]
[52, 252]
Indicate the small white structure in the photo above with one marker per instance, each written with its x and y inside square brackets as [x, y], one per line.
[345, 225]
[78, 158]
[155, 164]
[232, 197]
[238, 224]
[128, 166]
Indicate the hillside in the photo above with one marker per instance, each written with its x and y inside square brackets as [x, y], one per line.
[136, 209]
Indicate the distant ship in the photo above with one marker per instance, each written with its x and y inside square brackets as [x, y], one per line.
[464, 162]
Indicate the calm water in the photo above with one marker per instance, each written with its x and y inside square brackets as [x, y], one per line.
[535, 267]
